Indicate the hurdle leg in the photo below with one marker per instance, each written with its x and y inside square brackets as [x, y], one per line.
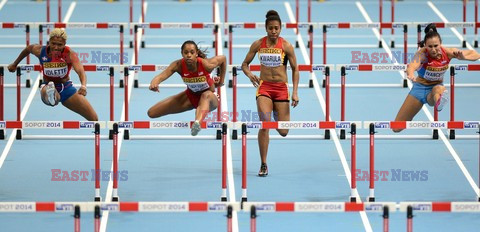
[409, 219]
[97, 219]
[253, 219]
[115, 163]
[76, 216]
[2, 131]
[224, 162]
[244, 162]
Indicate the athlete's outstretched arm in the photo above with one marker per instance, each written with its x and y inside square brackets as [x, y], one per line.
[34, 49]
[470, 55]
[168, 72]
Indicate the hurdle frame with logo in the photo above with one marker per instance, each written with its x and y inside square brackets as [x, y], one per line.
[402, 68]
[88, 68]
[127, 125]
[63, 125]
[252, 208]
[437, 125]
[315, 125]
[50, 25]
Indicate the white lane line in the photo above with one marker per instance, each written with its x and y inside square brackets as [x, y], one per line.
[445, 140]
[70, 12]
[30, 97]
[108, 195]
[445, 20]
[341, 153]
[429, 115]
[224, 103]
[3, 4]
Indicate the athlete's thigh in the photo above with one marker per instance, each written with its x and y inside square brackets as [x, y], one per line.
[265, 108]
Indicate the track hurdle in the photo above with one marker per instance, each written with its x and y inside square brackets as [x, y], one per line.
[116, 125]
[67, 125]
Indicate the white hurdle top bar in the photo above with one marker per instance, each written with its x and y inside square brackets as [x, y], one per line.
[398, 67]
[256, 67]
[76, 25]
[50, 124]
[233, 125]
[237, 125]
[423, 124]
[221, 207]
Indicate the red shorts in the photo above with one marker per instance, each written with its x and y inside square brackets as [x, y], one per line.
[194, 97]
[277, 91]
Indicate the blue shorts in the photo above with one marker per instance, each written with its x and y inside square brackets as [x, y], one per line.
[420, 92]
[66, 90]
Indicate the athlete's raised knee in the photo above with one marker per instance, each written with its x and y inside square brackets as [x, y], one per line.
[94, 117]
[151, 113]
[397, 130]
[283, 132]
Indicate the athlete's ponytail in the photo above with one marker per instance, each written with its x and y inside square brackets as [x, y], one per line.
[200, 53]
[430, 32]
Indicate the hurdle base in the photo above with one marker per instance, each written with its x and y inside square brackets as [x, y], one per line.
[475, 44]
[230, 83]
[219, 134]
[297, 45]
[28, 83]
[452, 134]
[97, 199]
[435, 134]
[327, 134]
[2, 134]
[223, 199]
[120, 84]
[234, 135]
[380, 45]
[310, 83]
[478, 199]
[464, 44]
[353, 199]
[392, 44]
[370, 199]
[323, 83]
[135, 83]
[126, 134]
[110, 134]
[225, 45]
[131, 44]
[342, 134]
[19, 134]
[115, 199]
[405, 83]
[142, 44]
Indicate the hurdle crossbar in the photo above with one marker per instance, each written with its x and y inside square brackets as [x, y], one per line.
[221, 207]
[171, 25]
